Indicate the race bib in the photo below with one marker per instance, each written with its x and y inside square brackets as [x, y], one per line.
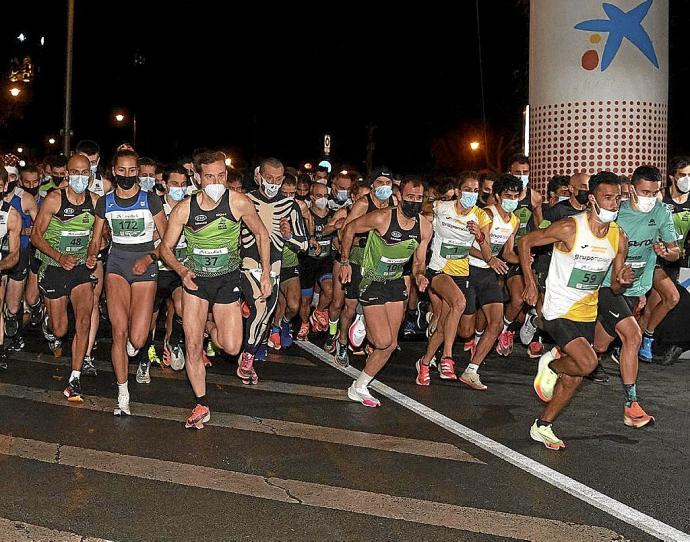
[451, 251]
[325, 249]
[72, 242]
[391, 267]
[637, 268]
[582, 279]
[128, 227]
[211, 260]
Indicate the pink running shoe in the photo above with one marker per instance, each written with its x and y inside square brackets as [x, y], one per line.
[200, 416]
[446, 369]
[246, 371]
[505, 343]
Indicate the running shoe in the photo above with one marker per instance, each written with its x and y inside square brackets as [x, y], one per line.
[286, 334]
[341, 358]
[670, 357]
[261, 352]
[358, 331]
[634, 416]
[173, 356]
[122, 406]
[598, 375]
[646, 349]
[535, 349]
[423, 377]
[246, 311]
[131, 351]
[446, 369]
[472, 380]
[88, 367]
[421, 315]
[546, 379]
[245, 370]
[362, 396]
[205, 360]
[15, 344]
[616, 355]
[274, 338]
[545, 435]
[329, 344]
[200, 415]
[319, 321]
[469, 344]
[303, 333]
[143, 376]
[36, 314]
[11, 324]
[45, 328]
[358, 350]
[528, 328]
[505, 343]
[73, 391]
[211, 350]
[56, 347]
[153, 356]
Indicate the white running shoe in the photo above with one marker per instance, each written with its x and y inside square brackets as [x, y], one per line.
[358, 331]
[362, 396]
[528, 328]
[131, 351]
[546, 379]
[122, 406]
[143, 375]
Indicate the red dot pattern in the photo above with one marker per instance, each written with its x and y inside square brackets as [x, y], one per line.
[596, 135]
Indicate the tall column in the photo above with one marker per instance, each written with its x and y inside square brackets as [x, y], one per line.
[598, 86]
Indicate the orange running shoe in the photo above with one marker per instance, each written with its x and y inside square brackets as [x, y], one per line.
[634, 416]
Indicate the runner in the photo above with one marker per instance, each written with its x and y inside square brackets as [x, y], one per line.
[10, 230]
[211, 221]
[29, 182]
[132, 216]
[585, 247]
[651, 233]
[394, 236]
[457, 224]
[98, 184]
[62, 233]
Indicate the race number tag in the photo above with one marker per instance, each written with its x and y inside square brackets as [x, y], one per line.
[72, 242]
[211, 260]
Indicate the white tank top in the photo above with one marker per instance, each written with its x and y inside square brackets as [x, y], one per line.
[572, 285]
[452, 240]
[97, 187]
[500, 232]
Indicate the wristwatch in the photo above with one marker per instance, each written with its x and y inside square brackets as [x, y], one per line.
[344, 262]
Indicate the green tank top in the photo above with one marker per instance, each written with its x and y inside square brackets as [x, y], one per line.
[290, 258]
[69, 230]
[360, 241]
[213, 247]
[385, 256]
[524, 213]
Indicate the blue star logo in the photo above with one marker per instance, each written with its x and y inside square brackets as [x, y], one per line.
[619, 25]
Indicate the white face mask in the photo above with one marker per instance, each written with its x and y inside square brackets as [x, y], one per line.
[683, 184]
[646, 203]
[321, 203]
[215, 191]
[605, 215]
[270, 189]
[563, 198]
[524, 179]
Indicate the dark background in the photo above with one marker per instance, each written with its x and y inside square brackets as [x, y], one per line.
[267, 80]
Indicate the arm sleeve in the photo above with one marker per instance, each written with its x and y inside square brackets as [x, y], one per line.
[155, 203]
[299, 231]
[100, 207]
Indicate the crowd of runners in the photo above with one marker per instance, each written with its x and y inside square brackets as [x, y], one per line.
[242, 264]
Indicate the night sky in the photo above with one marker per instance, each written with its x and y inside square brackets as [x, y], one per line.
[261, 80]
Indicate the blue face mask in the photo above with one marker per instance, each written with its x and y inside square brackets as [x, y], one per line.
[147, 183]
[469, 199]
[509, 205]
[383, 192]
[177, 193]
[78, 183]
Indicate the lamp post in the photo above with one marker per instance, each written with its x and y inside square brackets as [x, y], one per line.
[15, 91]
[120, 119]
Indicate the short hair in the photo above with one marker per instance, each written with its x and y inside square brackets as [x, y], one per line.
[56, 161]
[603, 177]
[556, 182]
[273, 162]
[146, 161]
[444, 184]
[206, 158]
[290, 180]
[645, 173]
[234, 176]
[464, 175]
[488, 176]
[125, 153]
[507, 182]
[174, 168]
[29, 168]
[678, 162]
[314, 186]
[519, 158]
[414, 180]
[304, 178]
[86, 146]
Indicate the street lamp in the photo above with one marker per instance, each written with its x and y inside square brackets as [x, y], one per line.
[474, 146]
[228, 162]
[120, 118]
[20, 150]
[51, 141]
[15, 91]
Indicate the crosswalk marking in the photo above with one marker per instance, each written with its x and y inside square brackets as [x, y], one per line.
[388, 443]
[272, 386]
[297, 492]
[20, 531]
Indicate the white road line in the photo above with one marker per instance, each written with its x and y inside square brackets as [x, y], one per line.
[20, 531]
[360, 439]
[585, 493]
[272, 386]
[476, 520]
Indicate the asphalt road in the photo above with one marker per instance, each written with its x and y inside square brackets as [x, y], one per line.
[293, 459]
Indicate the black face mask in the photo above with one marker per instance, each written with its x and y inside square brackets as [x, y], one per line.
[126, 182]
[411, 208]
[582, 197]
[57, 181]
[484, 196]
[11, 186]
[302, 198]
[33, 190]
[160, 188]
